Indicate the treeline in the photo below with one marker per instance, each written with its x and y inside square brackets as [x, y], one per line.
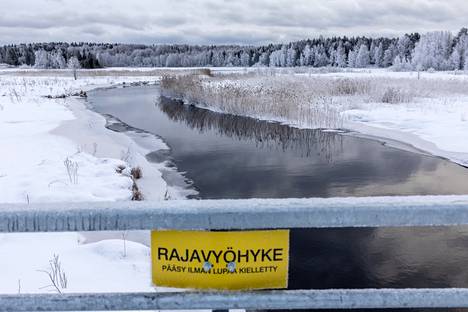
[51, 55]
[435, 50]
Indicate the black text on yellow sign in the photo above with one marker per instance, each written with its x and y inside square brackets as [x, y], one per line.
[220, 260]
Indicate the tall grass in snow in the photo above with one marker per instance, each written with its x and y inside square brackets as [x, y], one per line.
[314, 101]
[270, 98]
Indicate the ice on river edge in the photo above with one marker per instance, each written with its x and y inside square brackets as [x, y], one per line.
[56, 150]
[436, 125]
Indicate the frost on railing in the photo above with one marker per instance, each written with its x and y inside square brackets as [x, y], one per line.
[238, 214]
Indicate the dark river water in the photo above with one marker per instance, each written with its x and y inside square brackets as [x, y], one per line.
[227, 156]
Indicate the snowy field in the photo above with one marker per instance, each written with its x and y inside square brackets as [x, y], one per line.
[435, 122]
[54, 149]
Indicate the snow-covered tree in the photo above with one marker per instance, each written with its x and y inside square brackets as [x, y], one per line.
[73, 64]
[401, 64]
[172, 60]
[433, 51]
[456, 60]
[320, 57]
[42, 59]
[332, 56]
[362, 57]
[460, 51]
[440, 50]
[306, 54]
[57, 60]
[245, 59]
[352, 59]
[291, 57]
[232, 60]
[275, 58]
[264, 59]
[388, 56]
[340, 56]
[404, 47]
[378, 55]
[372, 51]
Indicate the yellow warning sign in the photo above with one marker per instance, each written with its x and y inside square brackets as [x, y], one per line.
[220, 260]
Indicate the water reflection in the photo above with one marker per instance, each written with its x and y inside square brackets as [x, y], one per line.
[303, 142]
[419, 257]
[379, 257]
[299, 161]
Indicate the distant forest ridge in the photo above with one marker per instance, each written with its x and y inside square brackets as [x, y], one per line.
[439, 50]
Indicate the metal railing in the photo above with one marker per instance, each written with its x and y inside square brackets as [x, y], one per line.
[238, 214]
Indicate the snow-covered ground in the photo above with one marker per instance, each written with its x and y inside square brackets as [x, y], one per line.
[38, 135]
[104, 266]
[436, 123]
[437, 126]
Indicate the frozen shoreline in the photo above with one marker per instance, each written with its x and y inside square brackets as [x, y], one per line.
[406, 141]
[38, 134]
[89, 126]
[435, 124]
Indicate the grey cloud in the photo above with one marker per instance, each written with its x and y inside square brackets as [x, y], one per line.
[221, 21]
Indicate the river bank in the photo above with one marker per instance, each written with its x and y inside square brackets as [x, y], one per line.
[55, 150]
[426, 111]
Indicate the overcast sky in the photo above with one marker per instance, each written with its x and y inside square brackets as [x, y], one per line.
[221, 21]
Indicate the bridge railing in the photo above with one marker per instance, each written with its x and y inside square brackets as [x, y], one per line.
[239, 215]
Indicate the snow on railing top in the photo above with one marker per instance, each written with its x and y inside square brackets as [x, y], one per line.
[236, 214]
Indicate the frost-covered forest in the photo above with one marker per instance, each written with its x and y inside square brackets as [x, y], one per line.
[435, 50]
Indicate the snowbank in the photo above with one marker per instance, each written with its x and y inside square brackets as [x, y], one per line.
[39, 134]
[436, 123]
[54, 150]
[104, 266]
[434, 126]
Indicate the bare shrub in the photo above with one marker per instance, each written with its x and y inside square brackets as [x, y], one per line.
[206, 72]
[393, 96]
[137, 195]
[124, 238]
[120, 168]
[347, 86]
[57, 277]
[126, 156]
[136, 173]
[166, 195]
[15, 96]
[72, 170]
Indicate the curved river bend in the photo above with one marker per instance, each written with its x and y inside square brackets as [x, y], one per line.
[229, 156]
